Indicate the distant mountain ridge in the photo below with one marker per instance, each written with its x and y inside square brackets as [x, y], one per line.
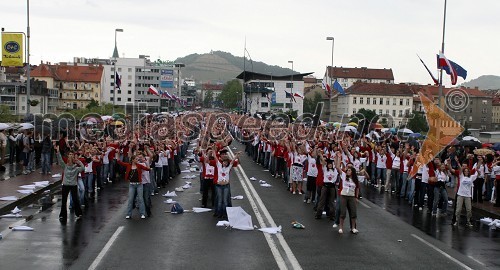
[485, 82]
[220, 67]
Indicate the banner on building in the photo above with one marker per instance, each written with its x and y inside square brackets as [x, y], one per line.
[12, 50]
[167, 78]
[273, 98]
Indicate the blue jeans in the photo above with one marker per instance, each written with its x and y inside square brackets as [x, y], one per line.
[411, 189]
[222, 197]
[89, 182]
[404, 185]
[381, 174]
[45, 162]
[81, 192]
[105, 172]
[135, 190]
[438, 192]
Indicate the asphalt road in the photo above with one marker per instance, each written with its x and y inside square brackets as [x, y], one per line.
[389, 238]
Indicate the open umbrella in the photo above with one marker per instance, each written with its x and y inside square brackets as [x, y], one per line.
[106, 117]
[384, 130]
[353, 124]
[405, 130]
[470, 138]
[471, 143]
[415, 135]
[26, 126]
[496, 146]
[4, 126]
[117, 123]
[350, 129]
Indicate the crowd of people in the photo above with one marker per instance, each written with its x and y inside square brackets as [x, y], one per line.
[329, 168]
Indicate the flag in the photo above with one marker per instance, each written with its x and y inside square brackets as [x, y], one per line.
[326, 86]
[118, 80]
[430, 73]
[167, 95]
[443, 63]
[12, 49]
[153, 90]
[461, 72]
[290, 96]
[298, 95]
[268, 98]
[338, 87]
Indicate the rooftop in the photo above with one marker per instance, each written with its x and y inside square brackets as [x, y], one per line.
[69, 73]
[251, 76]
[360, 73]
[380, 89]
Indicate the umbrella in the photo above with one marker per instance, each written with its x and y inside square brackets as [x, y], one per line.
[471, 144]
[238, 218]
[405, 130]
[496, 146]
[117, 123]
[26, 126]
[353, 124]
[336, 124]
[384, 130]
[4, 126]
[487, 145]
[483, 152]
[470, 138]
[415, 135]
[106, 117]
[350, 128]
[377, 126]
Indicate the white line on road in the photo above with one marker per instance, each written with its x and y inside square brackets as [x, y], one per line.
[442, 252]
[106, 248]
[364, 204]
[250, 190]
[474, 259]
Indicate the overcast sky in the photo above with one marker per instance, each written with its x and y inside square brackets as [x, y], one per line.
[376, 34]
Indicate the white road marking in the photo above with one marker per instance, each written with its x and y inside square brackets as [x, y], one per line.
[251, 194]
[364, 204]
[442, 252]
[106, 248]
[474, 259]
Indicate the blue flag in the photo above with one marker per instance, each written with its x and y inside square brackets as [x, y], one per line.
[118, 80]
[461, 72]
[338, 87]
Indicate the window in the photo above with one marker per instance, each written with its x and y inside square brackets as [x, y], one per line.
[287, 95]
[394, 101]
[354, 100]
[23, 108]
[380, 112]
[111, 91]
[346, 80]
[387, 112]
[75, 85]
[470, 110]
[129, 92]
[112, 84]
[119, 69]
[289, 85]
[484, 110]
[393, 112]
[264, 105]
[368, 101]
[360, 100]
[96, 85]
[484, 127]
[112, 69]
[400, 102]
[119, 91]
[263, 95]
[401, 112]
[129, 99]
[483, 119]
[129, 84]
[354, 110]
[288, 105]
[96, 95]
[485, 102]
[111, 99]
[81, 95]
[119, 99]
[112, 76]
[407, 102]
[387, 100]
[381, 101]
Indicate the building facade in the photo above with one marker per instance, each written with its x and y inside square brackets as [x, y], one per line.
[393, 102]
[348, 76]
[267, 93]
[495, 112]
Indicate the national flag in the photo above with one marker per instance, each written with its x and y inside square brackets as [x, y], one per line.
[153, 90]
[338, 87]
[118, 80]
[461, 72]
[289, 95]
[326, 86]
[443, 63]
[298, 95]
[430, 73]
[167, 95]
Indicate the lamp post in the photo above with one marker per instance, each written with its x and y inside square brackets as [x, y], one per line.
[291, 89]
[28, 58]
[115, 55]
[179, 66]
[328, 75]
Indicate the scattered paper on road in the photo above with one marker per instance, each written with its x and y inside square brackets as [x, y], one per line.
[56, 175]
[187, 186]
[11, 216]
[271, 230]
[266, 185]
[41, 183]
[189, 177]
[170, 201]
[28, 186]
[201, 209]
[25, 191]
[8, 198]
[15, 210]
[253, 178]
[170, 194]
[186, 171]
[238, 197]
[239, 219]
[222, 223]
[179, 189]
[22, 228]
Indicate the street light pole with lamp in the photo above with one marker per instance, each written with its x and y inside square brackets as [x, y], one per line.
[115, 55]
[291, 89]
[328, 75]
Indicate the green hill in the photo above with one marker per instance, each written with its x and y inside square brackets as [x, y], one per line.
[485, 82]
[218, 66]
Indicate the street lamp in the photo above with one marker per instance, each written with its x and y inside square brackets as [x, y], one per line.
[28, 88]
[115, 55]
[333, 42]
[179, 66]
[328, 75]
[291, 89]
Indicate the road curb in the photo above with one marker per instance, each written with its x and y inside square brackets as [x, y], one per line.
[29, 198]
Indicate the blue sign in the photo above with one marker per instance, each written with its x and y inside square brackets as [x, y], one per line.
[167, 78]
[273, 98]
[12, 47]
[166, 84]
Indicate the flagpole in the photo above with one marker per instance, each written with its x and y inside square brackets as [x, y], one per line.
[442, 51]
[243, 95]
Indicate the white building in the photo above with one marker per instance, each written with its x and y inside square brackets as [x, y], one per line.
[393, 102]
[265, 93]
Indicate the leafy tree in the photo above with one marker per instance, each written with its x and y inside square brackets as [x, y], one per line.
[231, 94]
[209, 99]
[5, 114]
[311, 103]
[417, 123]
[364, 118]
[93, 103]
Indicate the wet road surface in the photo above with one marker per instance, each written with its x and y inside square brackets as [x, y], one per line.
[390, 238]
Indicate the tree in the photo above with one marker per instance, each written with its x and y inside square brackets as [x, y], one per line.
[6, 115]
[364, 118]
[311, 103]
[92, 104]
[417, 123]
[231, 94]
[209, 99]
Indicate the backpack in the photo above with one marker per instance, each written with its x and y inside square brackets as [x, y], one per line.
[176, 209]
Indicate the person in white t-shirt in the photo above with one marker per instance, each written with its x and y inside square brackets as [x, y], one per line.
[464, 191]
[348, 189]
